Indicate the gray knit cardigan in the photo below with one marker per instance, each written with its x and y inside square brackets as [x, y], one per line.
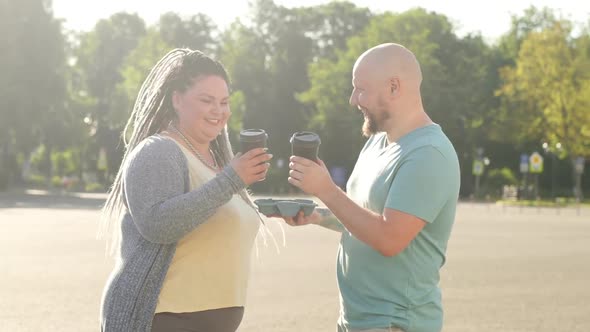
[160, 210]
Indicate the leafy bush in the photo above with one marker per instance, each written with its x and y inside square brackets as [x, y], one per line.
[37, 181]
[56, 182]
[499, 177]
[94, 187]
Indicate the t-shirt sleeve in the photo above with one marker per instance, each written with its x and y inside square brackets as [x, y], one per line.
[424, 183]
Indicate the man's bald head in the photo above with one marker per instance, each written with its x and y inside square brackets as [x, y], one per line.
[389, 61]
[386, 89]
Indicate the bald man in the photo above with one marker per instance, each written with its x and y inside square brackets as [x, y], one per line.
[399, 207]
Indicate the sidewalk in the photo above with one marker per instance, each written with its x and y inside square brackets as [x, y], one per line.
[36, 198]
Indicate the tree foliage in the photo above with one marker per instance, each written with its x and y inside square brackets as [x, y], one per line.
[291, 71]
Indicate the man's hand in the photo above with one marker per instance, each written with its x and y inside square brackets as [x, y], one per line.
[311, 177]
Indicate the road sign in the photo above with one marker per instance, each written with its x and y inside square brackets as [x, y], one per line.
[524, 163]
[477, 167]
[579, 165]
[536, 163]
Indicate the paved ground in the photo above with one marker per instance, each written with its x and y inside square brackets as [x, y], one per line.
[508, 270]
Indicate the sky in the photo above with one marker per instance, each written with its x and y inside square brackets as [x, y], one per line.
[490, 18]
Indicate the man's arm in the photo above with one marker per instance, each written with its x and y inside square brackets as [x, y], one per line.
[329, 221]
[426, 176]
[388, 234]
[321, 216]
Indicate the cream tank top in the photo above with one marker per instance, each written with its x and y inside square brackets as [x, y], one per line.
[211, 266]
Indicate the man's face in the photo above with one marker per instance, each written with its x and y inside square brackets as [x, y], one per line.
[370, 97]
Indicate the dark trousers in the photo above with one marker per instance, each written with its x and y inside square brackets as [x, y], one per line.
[216, 320]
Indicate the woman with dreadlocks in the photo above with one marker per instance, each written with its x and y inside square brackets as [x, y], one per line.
[181, 236]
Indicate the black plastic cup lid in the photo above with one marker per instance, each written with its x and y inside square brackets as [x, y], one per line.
[306, 137]
[253, 135]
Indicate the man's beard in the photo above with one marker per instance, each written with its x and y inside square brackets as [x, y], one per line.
[373, 124]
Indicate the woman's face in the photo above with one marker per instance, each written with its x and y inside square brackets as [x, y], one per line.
[203, 109]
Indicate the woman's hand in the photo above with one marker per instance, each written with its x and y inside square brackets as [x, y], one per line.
[252, 166]
[300, 219]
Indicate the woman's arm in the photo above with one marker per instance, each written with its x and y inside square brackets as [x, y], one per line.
[154, 187]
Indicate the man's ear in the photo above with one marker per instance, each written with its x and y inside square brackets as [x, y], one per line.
[394, 86]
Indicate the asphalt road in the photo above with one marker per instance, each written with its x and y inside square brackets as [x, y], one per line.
[508, 269]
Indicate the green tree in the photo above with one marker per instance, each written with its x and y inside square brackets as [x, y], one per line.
[136, 66]
[244, 56]
[330, 25]
[456, 89]
[194, 32]
[546, 94]
[32, 84]
[99, 57]
[268, 59]
[533, 19]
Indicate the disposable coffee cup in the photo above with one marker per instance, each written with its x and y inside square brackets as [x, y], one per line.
[305, 144]
[252, 139]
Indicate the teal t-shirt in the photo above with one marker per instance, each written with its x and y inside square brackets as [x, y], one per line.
[419, 175]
